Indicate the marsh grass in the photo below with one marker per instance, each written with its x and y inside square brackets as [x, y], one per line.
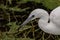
[14, 12]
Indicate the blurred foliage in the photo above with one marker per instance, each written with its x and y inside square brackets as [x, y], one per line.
[12, 8]
[11, 37]
[51, 4]
[14, 12]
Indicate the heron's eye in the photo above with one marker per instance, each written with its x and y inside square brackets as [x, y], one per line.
[33, 15]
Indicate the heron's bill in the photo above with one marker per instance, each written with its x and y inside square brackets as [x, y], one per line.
[25, 22]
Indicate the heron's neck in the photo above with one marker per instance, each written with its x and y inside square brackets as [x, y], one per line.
[43, 22]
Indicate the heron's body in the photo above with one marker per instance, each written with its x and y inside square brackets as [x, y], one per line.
[53, 27]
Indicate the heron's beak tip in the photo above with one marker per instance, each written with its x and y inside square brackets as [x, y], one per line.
[25, 22]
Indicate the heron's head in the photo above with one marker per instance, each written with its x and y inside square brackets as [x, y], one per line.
[37, 13]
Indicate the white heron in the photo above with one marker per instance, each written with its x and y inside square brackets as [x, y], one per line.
[53, 27]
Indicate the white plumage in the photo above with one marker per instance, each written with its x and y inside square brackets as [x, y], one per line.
[53, 27]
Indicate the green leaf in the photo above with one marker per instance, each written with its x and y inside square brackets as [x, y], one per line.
[13, 27]
[25, 1]
[6, 37]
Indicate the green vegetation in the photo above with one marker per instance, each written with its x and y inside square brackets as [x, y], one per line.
[14, 12]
